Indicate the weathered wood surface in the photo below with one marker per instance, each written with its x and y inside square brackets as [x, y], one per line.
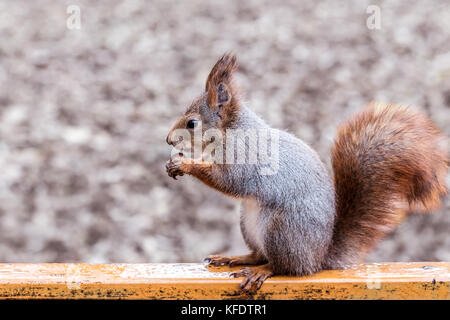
[419, 280]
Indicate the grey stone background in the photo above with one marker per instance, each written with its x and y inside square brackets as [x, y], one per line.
[84, 114]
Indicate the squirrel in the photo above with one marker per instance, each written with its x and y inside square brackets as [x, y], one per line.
[387, 160]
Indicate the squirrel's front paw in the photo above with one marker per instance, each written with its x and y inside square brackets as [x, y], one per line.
[173, 167]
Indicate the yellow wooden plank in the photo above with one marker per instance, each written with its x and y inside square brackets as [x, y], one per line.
[418, 280]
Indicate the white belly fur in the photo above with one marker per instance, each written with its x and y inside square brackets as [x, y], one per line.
[252, 223]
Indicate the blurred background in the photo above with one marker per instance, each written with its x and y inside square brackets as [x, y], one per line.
[84, 114]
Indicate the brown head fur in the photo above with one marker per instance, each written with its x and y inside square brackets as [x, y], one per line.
[219, 105]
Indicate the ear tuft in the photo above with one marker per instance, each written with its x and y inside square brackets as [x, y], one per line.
[219, 83]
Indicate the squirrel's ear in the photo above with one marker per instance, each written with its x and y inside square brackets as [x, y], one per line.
[223, 94]
[219, 85]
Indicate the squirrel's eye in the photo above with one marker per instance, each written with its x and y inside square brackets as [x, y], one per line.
[191, 124]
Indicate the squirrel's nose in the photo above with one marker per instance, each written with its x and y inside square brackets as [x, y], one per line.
[168, 141]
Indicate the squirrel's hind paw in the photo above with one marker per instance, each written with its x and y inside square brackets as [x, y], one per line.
[254, 277]
[218, 260]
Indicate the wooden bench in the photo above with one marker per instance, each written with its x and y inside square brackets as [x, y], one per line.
[418, 280]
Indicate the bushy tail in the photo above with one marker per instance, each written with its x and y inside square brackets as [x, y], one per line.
[387, 160]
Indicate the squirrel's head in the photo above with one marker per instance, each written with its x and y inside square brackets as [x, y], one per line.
[216, 108]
